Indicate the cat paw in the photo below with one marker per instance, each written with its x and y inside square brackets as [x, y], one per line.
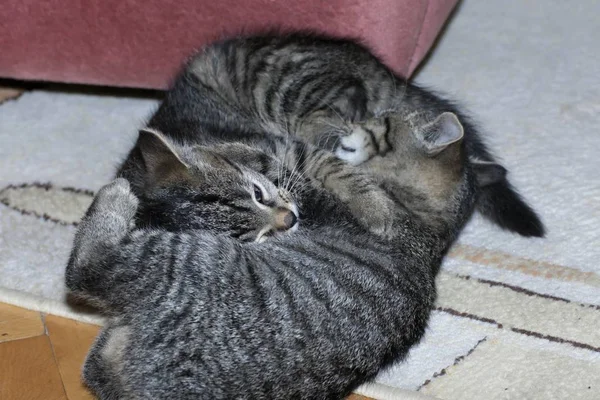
[375, 212]
[116, 198]
[353, 148]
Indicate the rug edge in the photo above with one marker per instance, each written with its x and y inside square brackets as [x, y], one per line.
[380, 391]
[47, 306]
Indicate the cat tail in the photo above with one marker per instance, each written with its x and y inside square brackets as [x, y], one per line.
[500, 203]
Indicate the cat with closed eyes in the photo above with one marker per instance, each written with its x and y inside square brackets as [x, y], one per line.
[200, 308]
[243, 262]
[332, 93]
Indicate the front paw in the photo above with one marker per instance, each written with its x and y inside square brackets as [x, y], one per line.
[375, 211]
[116, 198]
[354, 147]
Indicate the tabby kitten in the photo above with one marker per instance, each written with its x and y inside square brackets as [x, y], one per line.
[177, 190]
[196, 313]
[281, 83]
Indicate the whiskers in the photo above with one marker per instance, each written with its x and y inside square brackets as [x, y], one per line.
[337, 114]
[330, 139]
[293, 180]
[296, 175]
[331, 127]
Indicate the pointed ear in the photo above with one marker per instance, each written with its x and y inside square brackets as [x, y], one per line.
[487, 173]
[160, 158]
[436, 136]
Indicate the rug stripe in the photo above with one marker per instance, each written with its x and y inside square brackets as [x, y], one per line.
[539, 316]
[543, 269]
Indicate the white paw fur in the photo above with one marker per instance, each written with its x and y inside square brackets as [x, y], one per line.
[353, 148]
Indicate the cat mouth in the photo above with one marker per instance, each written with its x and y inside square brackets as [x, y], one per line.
[262, 237]
[270, 231]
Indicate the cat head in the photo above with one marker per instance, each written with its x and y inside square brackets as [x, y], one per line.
[221, 188]
[426, 167]
[497, 200]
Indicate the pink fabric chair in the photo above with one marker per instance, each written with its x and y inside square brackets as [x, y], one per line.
[143, 43]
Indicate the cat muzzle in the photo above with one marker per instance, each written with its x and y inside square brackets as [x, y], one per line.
[285, 220]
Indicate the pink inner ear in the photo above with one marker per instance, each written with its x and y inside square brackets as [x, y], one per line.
[449, 129]
[159, 156]
[441, 133]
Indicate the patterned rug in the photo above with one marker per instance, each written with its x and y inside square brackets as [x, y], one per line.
[515, 319]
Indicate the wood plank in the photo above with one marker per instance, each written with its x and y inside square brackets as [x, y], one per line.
[357, 397]
[19, 323]
[71, 341]
[28, 370]
[7, 93]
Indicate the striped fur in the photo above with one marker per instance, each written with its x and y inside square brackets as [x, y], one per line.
[279, 82]
[204, 187]
[196, 313]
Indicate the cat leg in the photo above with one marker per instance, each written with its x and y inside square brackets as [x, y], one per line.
[369, 204]
[323, 129]
[365, 140]
[108, 220]
[355, 148]
[103, 367]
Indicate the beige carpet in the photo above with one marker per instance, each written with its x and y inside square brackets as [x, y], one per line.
[516, 318]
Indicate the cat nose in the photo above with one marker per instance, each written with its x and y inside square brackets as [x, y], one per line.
[285, 220]
[290, 219]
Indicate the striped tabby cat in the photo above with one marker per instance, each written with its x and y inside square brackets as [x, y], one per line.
[195, 312]
[241, 262]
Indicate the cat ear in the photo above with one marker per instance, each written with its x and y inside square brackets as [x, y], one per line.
[436, 136]
[487, 173]
[160, 158]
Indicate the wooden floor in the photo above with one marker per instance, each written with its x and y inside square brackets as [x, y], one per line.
[41, 356]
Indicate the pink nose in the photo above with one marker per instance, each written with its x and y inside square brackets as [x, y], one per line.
[290, 219]
[285, 220]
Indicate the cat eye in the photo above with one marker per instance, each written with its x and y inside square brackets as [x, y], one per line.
[258, 195]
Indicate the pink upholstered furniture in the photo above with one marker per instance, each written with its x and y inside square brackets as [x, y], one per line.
[141, 43]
